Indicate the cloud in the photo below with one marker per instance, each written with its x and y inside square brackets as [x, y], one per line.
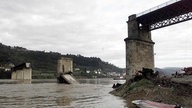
[173, 45]
[86, 27]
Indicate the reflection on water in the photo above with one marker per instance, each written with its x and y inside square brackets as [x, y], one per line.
[90, 93]
[63, 101]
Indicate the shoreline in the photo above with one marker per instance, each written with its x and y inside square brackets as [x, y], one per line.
[176, 91]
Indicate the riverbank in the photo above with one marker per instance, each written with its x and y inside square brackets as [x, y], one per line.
[165, 90]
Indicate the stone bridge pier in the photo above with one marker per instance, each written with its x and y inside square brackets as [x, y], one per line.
[139, 47]
[65, 70]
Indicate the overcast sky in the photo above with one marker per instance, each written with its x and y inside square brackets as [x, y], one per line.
[92, 28]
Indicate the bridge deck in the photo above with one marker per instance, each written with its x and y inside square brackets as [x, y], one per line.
[169, 13]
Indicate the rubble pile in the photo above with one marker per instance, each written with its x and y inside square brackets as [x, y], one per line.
[148, 85]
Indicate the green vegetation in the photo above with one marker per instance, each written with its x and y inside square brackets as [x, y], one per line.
[141, 83]
[44, 64]
[128, 87]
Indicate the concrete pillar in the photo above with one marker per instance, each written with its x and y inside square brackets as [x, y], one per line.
[27, 74]
[65, 65]
[19, 75]
[139, 47]
[22, 72]
[13, 76]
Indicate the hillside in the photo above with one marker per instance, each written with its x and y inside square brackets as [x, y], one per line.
[44, 64]
[167, 71]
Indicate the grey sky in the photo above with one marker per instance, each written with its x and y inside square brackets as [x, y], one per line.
[90, 28]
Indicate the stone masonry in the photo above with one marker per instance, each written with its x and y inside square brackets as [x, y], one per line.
[139, 48]
[65, 65]
[22, 72]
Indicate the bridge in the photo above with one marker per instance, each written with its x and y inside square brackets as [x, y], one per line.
[139, 46]
[169, 13]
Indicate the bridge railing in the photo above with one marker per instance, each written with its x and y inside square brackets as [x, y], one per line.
[157, 7]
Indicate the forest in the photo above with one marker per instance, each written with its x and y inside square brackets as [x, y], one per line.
[44, 64]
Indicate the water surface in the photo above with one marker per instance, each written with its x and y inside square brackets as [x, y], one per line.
[90, 93]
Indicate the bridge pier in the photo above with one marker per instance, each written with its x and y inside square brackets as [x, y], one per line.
[64, 66]
[139, 47]
[22, 72]
[65, 70]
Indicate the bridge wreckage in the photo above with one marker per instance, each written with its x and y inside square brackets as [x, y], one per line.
[65, 70]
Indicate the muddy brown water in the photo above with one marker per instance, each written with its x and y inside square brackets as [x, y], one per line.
[90, 93]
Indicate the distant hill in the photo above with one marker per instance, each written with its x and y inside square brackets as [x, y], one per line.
[168, 70]
[45, 63]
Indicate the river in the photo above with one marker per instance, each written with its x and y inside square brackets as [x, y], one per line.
[90, 93]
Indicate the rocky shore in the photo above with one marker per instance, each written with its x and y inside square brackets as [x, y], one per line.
[160, 89]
